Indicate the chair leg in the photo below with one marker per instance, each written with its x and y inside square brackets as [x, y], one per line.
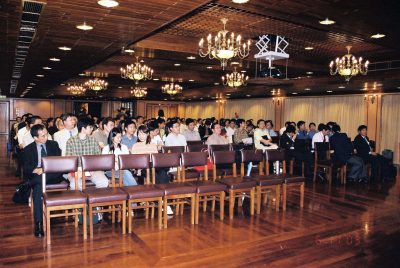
[240, 198]
[181, 207]
[177, 208]
[84, 224]
[48, 233]
[113, 213]
[277, 197]
[159, 213]
[152, 211]
[196, 209]
[205, 205]
[231, 203]
[284, 197]
[123, 212]
[221, 205]
[192, 205]
[302, 195]
[315, 173]
[165, 211]
[91, 221]
[76, 218]
[213, 204]
[258, 201]
[265, 199]
[147, 210]
[252, 201]
[130, 212]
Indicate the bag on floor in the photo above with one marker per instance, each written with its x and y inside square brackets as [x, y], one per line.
[22, 193]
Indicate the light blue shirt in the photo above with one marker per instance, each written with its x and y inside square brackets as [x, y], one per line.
[129, 142]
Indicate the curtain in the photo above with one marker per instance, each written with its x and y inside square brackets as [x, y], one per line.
[390, 124]
[201, 109]
[250, 109]
[347, 111]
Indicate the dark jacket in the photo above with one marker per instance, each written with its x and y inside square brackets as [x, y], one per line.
[342, 147]
[362, 147]
[202, 131]
[31, 156]
[285, 142]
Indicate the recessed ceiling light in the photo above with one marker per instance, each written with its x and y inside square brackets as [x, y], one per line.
[165, 99]
[201, 98]
[329, 91]
[129, 50]
[309, 73]
[82, 74]
[243, 71]
[191, 80]
[240, 1]
[189, 99]
[294, 93]
[177, 64]
[141, 61]
[209, 67]
[307, 89]
[377, 36]
[248, 95]
[235, 63]
[84, 26]
[32, 84]
[40, 75]
[228, 94]
[191, 58]
[108, 3]
[119, 87]
[398, 87]
[64, 48]
[54, 59]
[155, 79]
[308, 48]
[29, 87]
[216, 83]
[46, 68]
[62, 84]
[341, 87]
[326, 22]
[379, 85]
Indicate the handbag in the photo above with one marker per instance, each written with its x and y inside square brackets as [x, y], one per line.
[22, 193]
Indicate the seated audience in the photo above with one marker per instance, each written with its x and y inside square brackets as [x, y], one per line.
[205, 130]
[284, 128]
[85, 144]
[190, 133]
[129, 139]
[302, 132]
[143, 144]
[262, 140]
[240, 133]
[101, 136]
[69, 130]
[216, 138]
[174, 137]
[270, 128]
[41, 147]
[343, 153]
[161, 126]
[321, 135]
[31, 121]
[230, 130]
[311, 130]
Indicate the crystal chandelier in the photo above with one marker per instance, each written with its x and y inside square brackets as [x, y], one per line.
[96, 84]
[235, 79]
[348, 66]
[139, 92]
[76, 89]
[224, 47]
[136, 71]
[171, 88]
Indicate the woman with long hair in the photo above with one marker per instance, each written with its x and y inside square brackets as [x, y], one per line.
[115, 147]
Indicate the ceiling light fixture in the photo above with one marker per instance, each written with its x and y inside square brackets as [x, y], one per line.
[224, 47]
[82, 74]
[294, 93]
[235, 79]
[137, 72]
[307, 89]
[341, 87]
[191, 80]
[54, 59]
[191, 58]
[129, 50]
[309, 73]
[248, 95]
[108, 3]
[46, 68]
[348, 66]
[209, 67]
[327, 22]
[240, 1]
[155, 79]
[329, 91]
[96, 84]
[177, 64]
[84, 26]
[171, 88]
[40, 75]
[216, 83]
[76, 89]
[308, 48]
[139, 92]
[377, 36]
[64, 48]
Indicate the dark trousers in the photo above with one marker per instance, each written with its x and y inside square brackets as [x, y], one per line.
[377, 163]
[306, 157]
[37, 192]
[357, 168]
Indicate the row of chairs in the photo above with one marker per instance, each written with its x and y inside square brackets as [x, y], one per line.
[194, 191]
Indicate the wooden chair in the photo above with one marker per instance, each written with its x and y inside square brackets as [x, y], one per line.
[174, 193]
[322, 159]
[148, 193]
[237, 187]
[112, 197]
[190, 160]
[197, 148]
[205, 190]
[194, 142]
[73, 200]
[173, 149]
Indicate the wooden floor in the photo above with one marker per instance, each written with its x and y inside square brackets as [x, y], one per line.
[356, 226]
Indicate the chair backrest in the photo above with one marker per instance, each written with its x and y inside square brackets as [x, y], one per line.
[197, 148]
[275, 155]
[218, 147]
[173, 149]
[194, 142]
[166, 160]
[59, 164]
[252, 156]
[191, 159]
[302, 145]
[275, 139]
[104, 162]
[134, 161]
[223, 157]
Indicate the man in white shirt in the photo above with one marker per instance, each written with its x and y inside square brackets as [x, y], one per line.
[174, 138]
[321, 135]
[230, 130]
[190, 133]
[27, 138]
[70, 130]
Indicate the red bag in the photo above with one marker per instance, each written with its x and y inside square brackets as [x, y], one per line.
[209, 166]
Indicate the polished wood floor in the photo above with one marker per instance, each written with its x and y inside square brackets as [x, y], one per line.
[356, 226]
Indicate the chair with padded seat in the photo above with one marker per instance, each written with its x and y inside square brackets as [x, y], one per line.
[73, 200]
[148, 193]
[197, 148]
[194, 142]
[237, 187]
[190, 160]
[112, 197]
[173, 149]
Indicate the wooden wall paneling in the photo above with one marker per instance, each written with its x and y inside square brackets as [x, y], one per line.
[115, 106]
[69, 106]
[106, 109]
[4, 117]
[181, 110]
[59, 108]
[141, 108]
[43, 108]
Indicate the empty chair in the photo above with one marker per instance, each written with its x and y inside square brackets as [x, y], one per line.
[149, 194]
[73, 200]
[113, 197]
[237, 186]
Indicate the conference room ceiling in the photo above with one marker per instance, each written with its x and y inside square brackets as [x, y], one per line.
[164, 33]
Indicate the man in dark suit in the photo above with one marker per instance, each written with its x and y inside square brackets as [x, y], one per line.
[205, 130]
[33, 154]
[364, 150]
[343, 150]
